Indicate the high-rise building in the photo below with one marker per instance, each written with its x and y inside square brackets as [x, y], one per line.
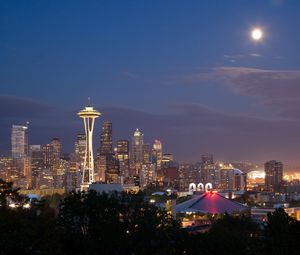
[232, 179]
[146, 154]
[208, 171]
[187, 174]
[100, 167]
[147, 175]
[122, 154]
[57, 148]
[19, 141]
[80, 145]
[137, 150]
[37, 164]
[88, 114]
[106, 138]
[274, 176]
[26, 172]
[48, 155]
[157, 152]
[56, 157]
[112, 174]
[72, 179]
[167, 160]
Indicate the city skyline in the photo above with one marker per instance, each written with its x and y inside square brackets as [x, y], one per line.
[187, 74]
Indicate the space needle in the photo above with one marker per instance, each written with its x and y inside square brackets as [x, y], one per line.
[88, 114]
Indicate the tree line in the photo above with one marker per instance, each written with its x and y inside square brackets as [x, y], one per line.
[124, 223]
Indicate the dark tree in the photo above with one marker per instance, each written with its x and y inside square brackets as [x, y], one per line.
[282, 233]
[117, 224]
[9, 194]
[229, 235]
[26, 231]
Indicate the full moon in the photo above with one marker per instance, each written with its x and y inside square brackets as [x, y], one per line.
[257, 34]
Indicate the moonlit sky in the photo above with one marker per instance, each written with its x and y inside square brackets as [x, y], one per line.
[185, 72]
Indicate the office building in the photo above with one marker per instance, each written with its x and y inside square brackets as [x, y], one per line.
[274, 176]
[112, 173]
[167, 160]
[137, 151]
[106, 138]
[80, 145]
[37, 164]
[147, 153]
[208, 172]
[122, 154]
[157, 153]
[147, 175]
[232, 179]
[19, 141]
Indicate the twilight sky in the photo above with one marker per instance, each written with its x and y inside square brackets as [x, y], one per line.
[186, 72]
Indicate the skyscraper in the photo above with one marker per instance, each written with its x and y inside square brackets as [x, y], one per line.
[80, 144]
[19, 141]
[122, 154]
[56, 144]
[146, 153]
[88, 114]
[106, 138]
[137, 150]
[157, 151]
[112, 174]
[48, 155]
[274, 175]
[37, 164]
[56, 155]
[167, 160]
[58, 166]
[208, 170]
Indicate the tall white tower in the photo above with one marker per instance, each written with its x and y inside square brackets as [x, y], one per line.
[88, 114]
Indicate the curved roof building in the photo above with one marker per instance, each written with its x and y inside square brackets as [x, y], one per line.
[210, 202]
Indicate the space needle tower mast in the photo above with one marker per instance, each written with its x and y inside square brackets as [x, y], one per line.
[88, 114]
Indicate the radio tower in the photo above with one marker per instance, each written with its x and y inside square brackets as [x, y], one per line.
[88, 114]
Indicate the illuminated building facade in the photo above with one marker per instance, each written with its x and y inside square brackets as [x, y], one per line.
[37, 164]
[19, 141]
[274, 176]
[232, 179]
[106, 138]
[167, 160]
[157, 152]
[57, 150]
[48, 155]
[147, 175]
[88, 114]
[8, 169]
[80, 145]
[106, 167]
[208, 171]
[112, 174]
[146, 153]
[137, 150]
[122, 154]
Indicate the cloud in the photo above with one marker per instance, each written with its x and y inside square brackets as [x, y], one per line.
[129, 75]
[186, 130]
[190, 130]
[256, 55]
[237, 57]
[21, 107]
[277, 89]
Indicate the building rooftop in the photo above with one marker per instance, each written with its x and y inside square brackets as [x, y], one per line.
[210, 202]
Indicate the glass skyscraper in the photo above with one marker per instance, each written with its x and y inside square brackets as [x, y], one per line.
[19, 141]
